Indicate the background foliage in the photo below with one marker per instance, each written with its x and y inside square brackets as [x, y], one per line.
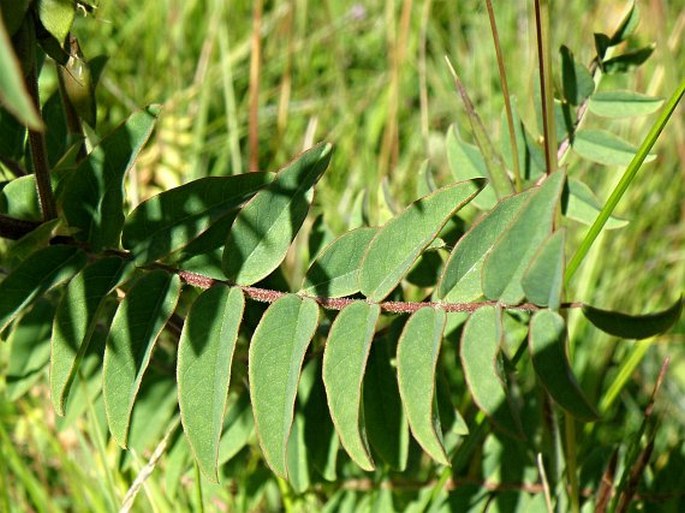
[355, 75]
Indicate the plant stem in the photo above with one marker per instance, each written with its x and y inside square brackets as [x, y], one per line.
[507, 98]
[255, 68]
[545, 68]
[624, 183]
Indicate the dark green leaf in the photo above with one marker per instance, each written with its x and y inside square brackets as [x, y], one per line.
[605, 148]
[172, 219]
[576, 79]
[513, 251]
[634, 326]
[417, 356]
[620, 104]
[628, 61]
[264, 229]
[628, 25]
[543, 281]
[275, 360]
[386, 425]
[139, 320]
[335, 272]
[29, 349]
[480, 345]
[205, 353]
[461, 278]
[466, 162]
[398, 244]
[76, 320]
[344, 362]
[547, 345]
[92, 199]
[37, 274]
[13, 13]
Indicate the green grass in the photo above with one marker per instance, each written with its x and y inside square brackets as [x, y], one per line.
[353, 74]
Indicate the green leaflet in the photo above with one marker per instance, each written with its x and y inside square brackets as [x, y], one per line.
[417, 357]
[13, 94]
[205, 353]
[546, 342]
[137, 323]
[170, 220]
[634, 326]
[480, 345]
[384, 418]
[344, 361]
[466, 161]
[92, 198]
[335, 272]
[29, 348]
[398, 244]
[37, 274]
[461, 278]
[576, 79]
[543, 281]
[605, 148]
[264, 229]
[504, 266]
[275, 360]
[621, 104]
[75, 322]
[20, 198]
[57, 16]
[583, 206]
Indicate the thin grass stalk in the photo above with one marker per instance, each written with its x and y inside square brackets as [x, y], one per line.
[507, 97]
[255, 71]
[624, 182]
[423, 81]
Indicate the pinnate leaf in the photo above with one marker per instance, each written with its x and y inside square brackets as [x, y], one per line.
[76, 320]
[344, 362]
[513, 251]
[40, 272]
[417, 357]
[264, 229]
[546, 342]
[335, 272]
[170, 220]
[275, 361]
[205, 353]
[634, 326]
[479, 349]
[461, 278]
[93, 195]
[398, 244]
[137, 323]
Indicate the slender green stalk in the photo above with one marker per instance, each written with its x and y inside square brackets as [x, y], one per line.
[639, 349]
[625, 182]
[546, 92]
[507, 98]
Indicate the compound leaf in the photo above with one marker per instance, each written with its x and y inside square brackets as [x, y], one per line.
[398, 244]
[480, 345]
[417, 357]
[461, 278]
[40, 272]
[335, 272]
[137, 323]
[170, 220]
[546, 342]
[634, 326]
[75, 322]
[93, 195]
[504, 266]
[264, 229]
[275, 361]
[205, 353]
[344, 362]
